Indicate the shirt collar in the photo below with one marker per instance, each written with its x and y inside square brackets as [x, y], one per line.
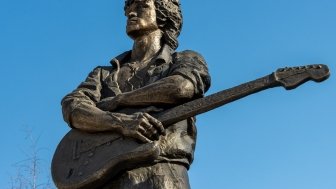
[164, 56]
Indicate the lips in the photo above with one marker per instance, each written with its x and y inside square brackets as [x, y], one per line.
[133, 19]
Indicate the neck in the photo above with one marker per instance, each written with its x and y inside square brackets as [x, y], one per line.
[146, 47]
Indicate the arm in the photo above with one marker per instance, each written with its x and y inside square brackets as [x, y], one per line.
[170, 90]
[80, 112]
[79, 109]
[188, 78]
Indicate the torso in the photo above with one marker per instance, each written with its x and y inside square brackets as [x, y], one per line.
[132, 76]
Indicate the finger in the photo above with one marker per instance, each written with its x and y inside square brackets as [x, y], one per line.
[143, 131]
[150, 131]
[140, 136]
[156, 123]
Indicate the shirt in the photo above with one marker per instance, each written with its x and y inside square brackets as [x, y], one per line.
[178, 144]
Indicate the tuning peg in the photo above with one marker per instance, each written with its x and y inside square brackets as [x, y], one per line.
[317, 66]
[297, 68]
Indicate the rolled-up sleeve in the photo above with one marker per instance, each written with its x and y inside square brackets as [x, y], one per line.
[192, 66]
[87, 94]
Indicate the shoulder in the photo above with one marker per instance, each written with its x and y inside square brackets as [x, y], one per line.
[100, 71]
[189, 56]
[192, 65]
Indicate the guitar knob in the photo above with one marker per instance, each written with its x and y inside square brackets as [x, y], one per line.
[317, 66]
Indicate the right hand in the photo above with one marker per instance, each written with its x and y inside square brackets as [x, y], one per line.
[143, 127]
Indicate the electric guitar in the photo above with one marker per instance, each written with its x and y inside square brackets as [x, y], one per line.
[84, 160]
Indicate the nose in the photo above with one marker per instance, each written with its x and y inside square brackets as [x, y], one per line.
[132, 14]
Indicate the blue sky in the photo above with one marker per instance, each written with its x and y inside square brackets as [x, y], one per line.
[275, 139]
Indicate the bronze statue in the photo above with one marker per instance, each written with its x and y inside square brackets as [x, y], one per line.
[150, 77]
[133, 122]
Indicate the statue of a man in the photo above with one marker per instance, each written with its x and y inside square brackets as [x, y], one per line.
[151, 77]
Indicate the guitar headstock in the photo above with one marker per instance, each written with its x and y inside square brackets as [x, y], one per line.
[292, 77]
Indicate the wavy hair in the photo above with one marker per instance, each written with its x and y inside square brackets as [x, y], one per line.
[169, 19]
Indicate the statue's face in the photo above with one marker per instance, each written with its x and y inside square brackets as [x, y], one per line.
[141, 18]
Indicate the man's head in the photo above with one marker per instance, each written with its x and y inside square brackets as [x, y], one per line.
[167, 17]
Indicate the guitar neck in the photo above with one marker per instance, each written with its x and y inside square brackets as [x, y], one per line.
[216, 100]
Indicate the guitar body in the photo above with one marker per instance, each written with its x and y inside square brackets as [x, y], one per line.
[85, 160]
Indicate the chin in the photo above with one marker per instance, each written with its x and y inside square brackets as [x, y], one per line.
[132, 28]
[133, 33]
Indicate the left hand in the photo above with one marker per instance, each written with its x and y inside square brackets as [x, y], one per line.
[110, 103]
[142, 126]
